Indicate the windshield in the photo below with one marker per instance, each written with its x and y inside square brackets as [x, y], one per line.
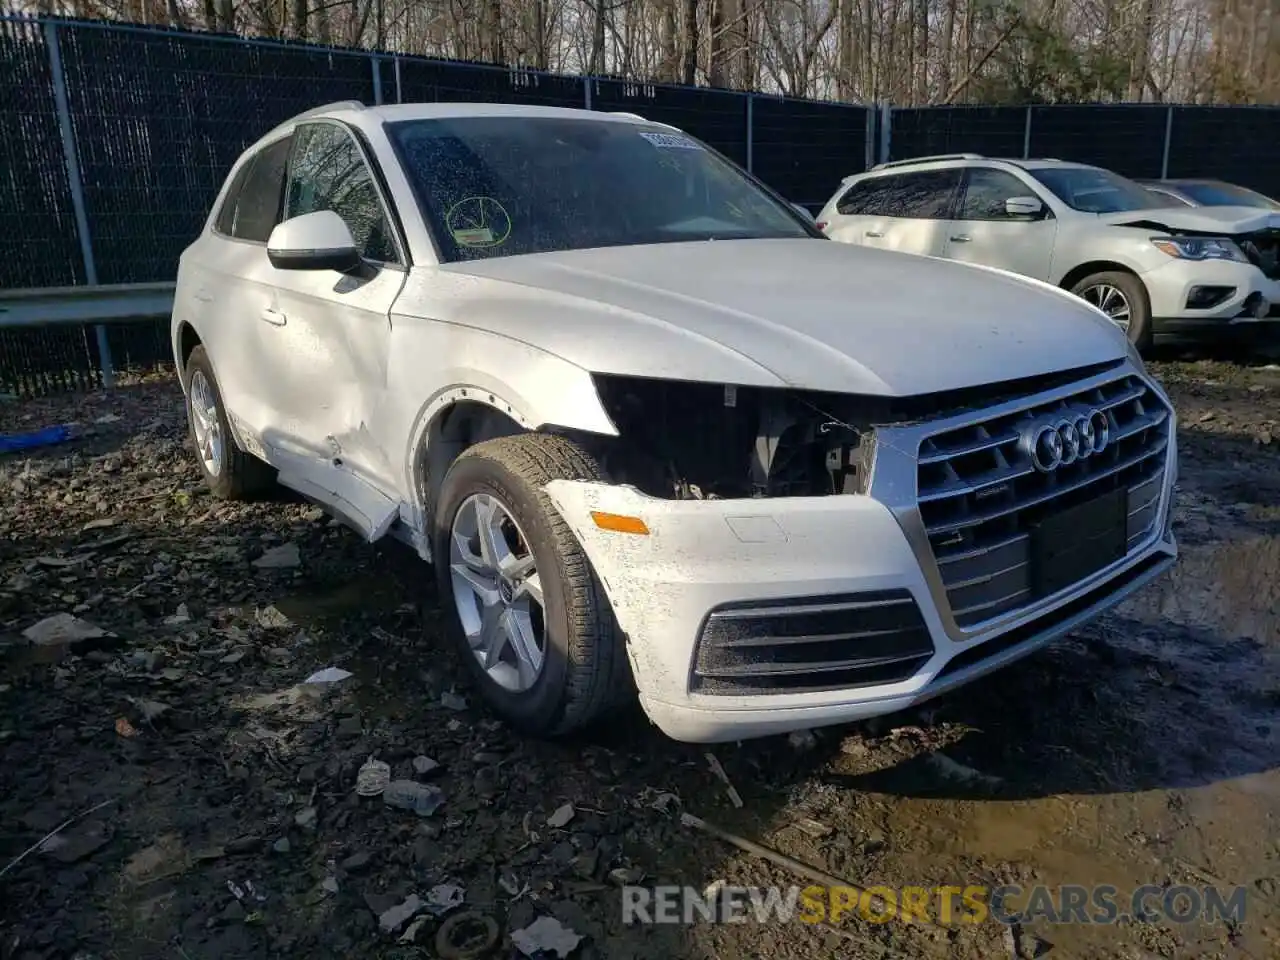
[501, 186]
[1226, 195]
[1097, 191]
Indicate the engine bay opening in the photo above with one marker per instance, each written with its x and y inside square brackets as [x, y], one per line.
[703, 441]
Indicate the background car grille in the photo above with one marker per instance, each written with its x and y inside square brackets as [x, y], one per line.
[982, 501]
[811, 643]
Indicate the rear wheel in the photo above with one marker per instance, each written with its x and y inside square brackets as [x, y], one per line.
[525, 608]
[229, 472]
[1123, 298]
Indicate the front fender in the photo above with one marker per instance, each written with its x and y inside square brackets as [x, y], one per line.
[435, 364]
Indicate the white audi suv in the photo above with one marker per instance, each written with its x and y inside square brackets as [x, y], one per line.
[655, 433]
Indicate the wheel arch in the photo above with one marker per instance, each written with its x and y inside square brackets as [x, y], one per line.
[185, 339]
[1078, 273]
[459, 417]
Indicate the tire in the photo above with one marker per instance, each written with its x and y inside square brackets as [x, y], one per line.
[584, 672]
[1135, 295]
[233, 474]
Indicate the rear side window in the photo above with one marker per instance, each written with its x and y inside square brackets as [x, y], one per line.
[226, 221]
[860, 198]
[259, 204]
[329, 173]
[923, 195]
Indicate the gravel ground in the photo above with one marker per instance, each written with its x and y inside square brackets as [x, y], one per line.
[217, 815]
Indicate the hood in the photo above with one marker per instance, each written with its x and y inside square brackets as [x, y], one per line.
[806, 313]
[1212, 220]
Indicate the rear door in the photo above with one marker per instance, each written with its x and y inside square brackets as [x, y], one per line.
[906, 212]
[230, 286]
[985, 233]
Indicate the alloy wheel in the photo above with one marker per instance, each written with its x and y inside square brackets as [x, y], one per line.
[1111, 301]
[205, 423]
[497, 592]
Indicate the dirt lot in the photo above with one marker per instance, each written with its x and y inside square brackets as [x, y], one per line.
[225, 822]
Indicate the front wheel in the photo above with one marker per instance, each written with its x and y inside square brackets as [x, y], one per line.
[525, 608]
[1123, 298]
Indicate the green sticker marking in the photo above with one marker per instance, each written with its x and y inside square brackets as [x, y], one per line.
[478, 222]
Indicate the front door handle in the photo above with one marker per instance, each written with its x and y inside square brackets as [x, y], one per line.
[874, 233]
[962, 238]
[273, 317]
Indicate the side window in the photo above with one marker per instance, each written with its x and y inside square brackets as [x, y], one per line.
[922, 195]
[328, 173]
[226, 221]
[859, 199]
[987, 190]
[258, 209]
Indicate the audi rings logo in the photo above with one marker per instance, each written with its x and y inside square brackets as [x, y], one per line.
[1064, 437]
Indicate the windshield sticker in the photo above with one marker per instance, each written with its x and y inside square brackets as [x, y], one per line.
[671, 141]
[478, 222]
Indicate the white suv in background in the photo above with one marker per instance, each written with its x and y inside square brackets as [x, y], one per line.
[1161, 271]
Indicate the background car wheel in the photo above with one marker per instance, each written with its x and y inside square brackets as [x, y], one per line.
[228, 471]
[521, 600]
[1123, 298]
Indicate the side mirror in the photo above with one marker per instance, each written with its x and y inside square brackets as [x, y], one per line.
[313, 241]
[1023, 207]
[803, 211]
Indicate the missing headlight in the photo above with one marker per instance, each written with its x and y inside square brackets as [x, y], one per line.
[702, 440]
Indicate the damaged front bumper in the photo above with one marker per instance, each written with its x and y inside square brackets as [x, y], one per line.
[742, 617]
[1206, 300]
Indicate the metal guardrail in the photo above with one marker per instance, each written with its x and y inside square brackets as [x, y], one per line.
[96, 305]
[124, 301]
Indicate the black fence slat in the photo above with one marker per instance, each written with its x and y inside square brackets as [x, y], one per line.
[39, 244]
[160, 117]
[716, 117]
[928, 131]
[804, 148]
[1236, 144]
[425, 81]
[1126, 138]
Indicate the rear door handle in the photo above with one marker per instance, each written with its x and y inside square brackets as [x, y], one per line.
[273, 317]
[961, 239]
[874, 233]
[204, 296]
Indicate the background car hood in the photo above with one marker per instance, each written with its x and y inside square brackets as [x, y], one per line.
[805, 313]
[1223, 220]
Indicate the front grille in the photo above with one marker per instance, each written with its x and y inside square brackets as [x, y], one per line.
[815, 643]
[982, 500]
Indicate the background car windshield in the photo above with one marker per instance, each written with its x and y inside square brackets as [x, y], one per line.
[500, 186]
[1091, 190]
[1226, 195]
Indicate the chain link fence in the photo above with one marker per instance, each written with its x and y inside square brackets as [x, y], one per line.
[1137, 140]
[120, 137]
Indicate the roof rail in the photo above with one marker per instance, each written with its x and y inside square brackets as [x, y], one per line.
[939, 156]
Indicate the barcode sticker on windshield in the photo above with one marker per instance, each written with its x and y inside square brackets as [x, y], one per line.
[670, 141]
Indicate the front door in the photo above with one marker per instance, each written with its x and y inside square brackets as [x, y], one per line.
[986, 233]
[329, 333]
